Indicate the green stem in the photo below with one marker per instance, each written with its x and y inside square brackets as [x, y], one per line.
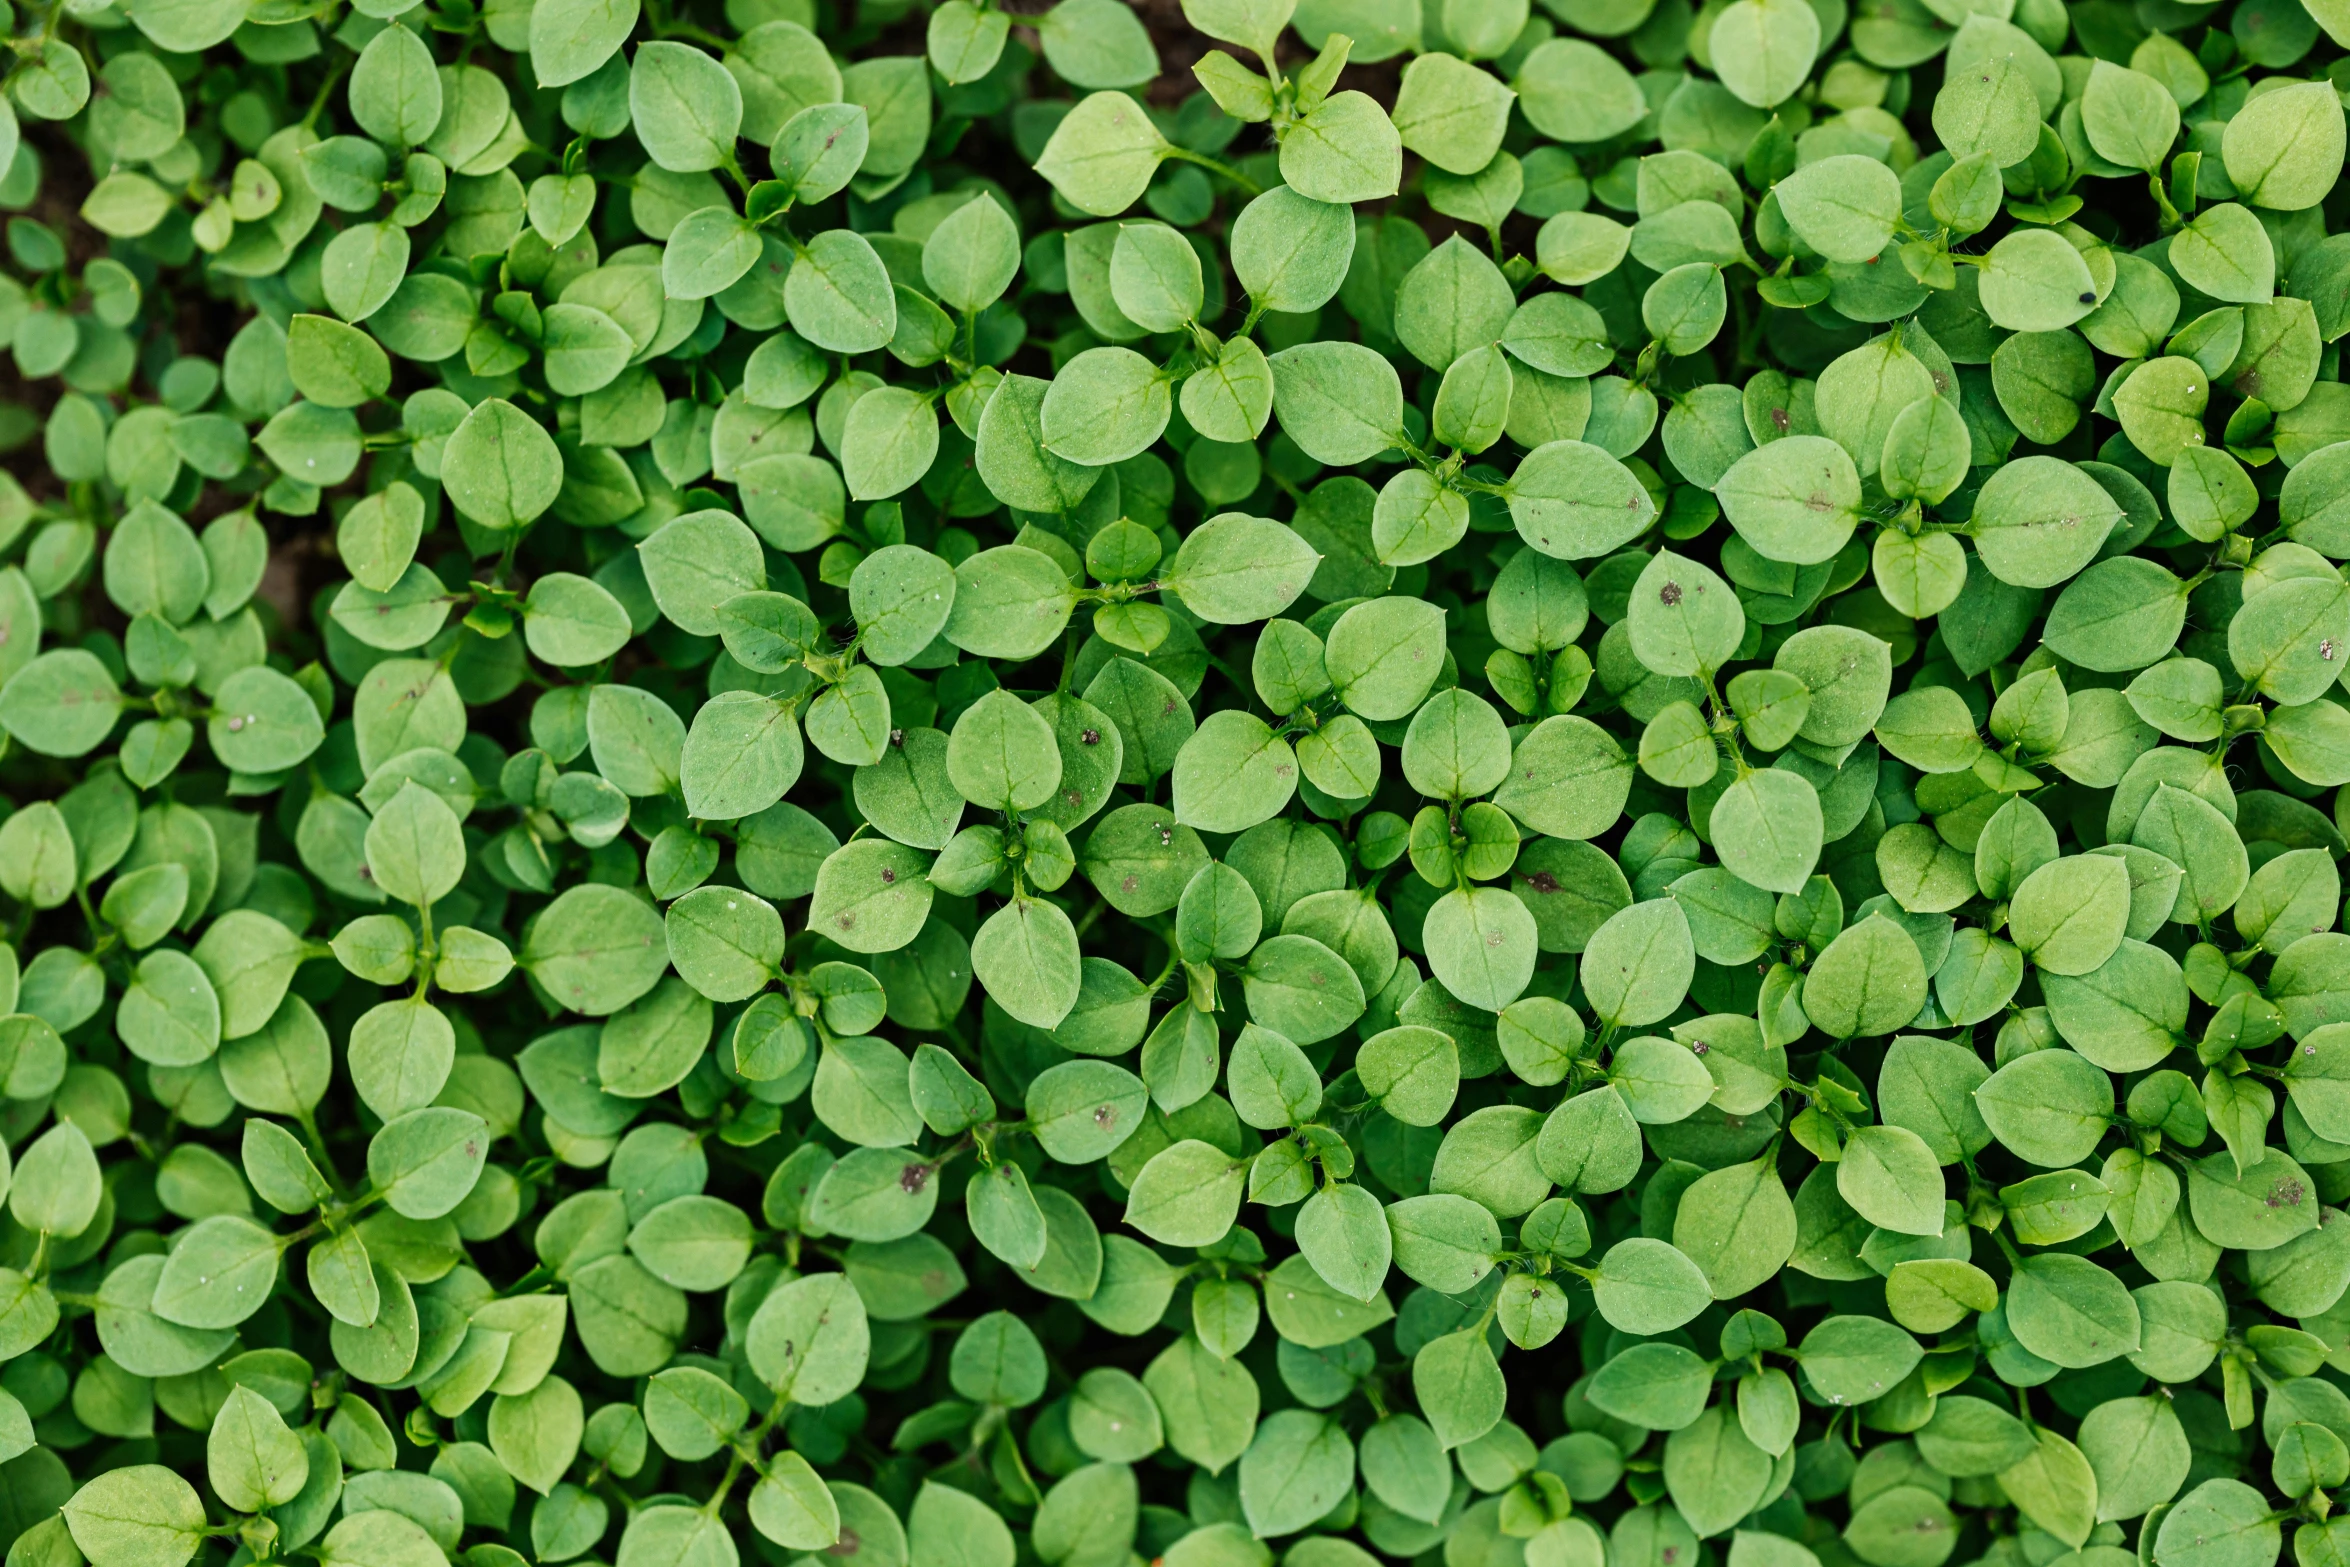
[739, 1459]
[1217, 166]
[308, 1120]
[334, 74]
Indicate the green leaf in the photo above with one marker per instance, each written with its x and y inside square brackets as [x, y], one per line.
[395, 90]
[1647, 1287]
[971, 258]
[2276, 151]
[500, 466]
[1891, 1178]
[1638, 964]
[252, 1459]
[1296, 1469]
[1844, 206]
[1187, 1195]
[1102, 154]
[1026, 955]
[426, 1161]
[142, 1515]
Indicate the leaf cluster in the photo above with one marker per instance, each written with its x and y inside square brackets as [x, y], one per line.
[845, 781]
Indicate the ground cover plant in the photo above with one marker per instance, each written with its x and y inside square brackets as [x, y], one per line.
[1193, 784]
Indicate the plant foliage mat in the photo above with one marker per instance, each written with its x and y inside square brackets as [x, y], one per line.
[847, 783]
